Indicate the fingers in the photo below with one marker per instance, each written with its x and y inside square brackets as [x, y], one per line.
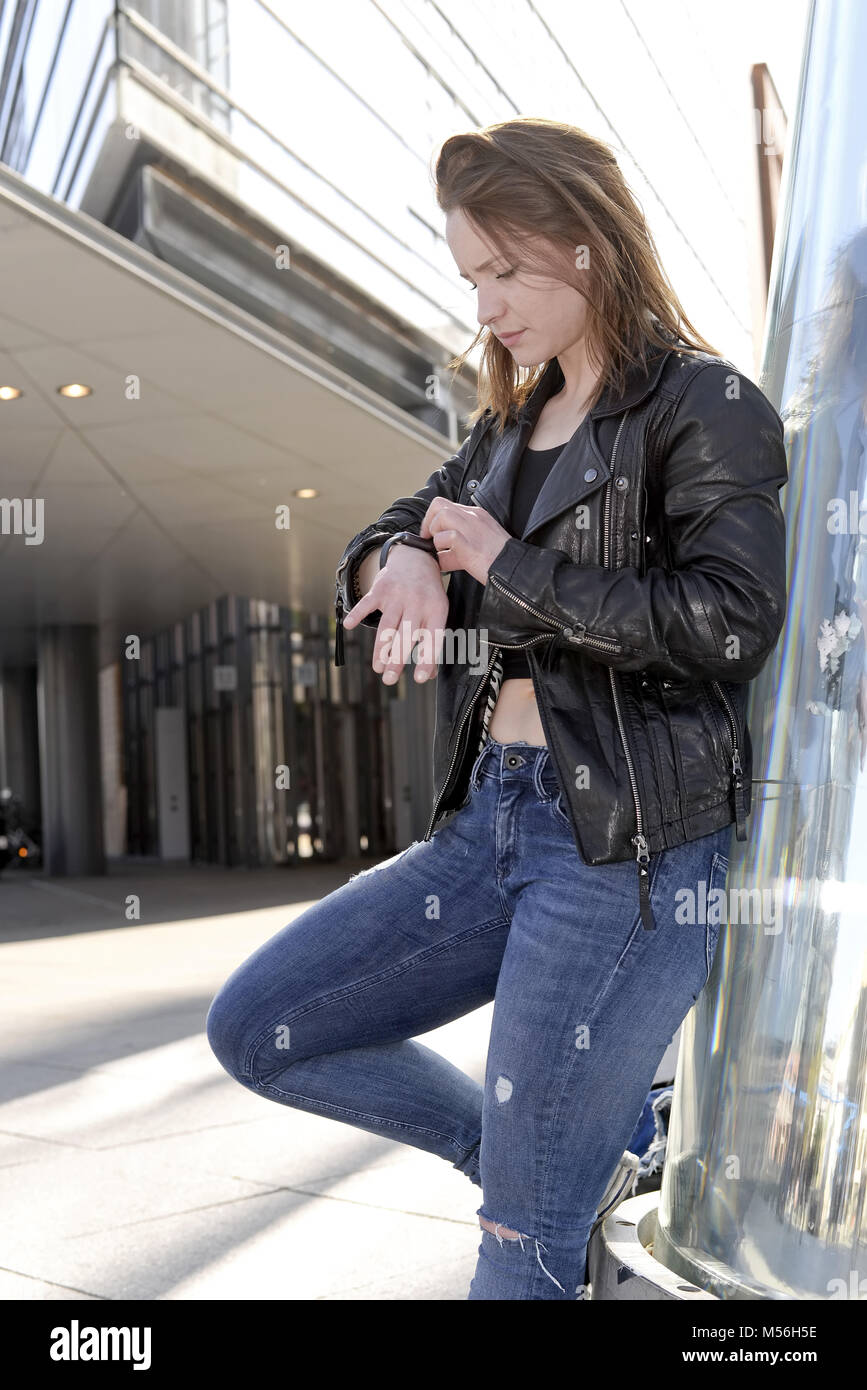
[389, 657]
[435, 506]
[388, 660]
[407, 638]
[413, 609]
[446, 543]
[461, 544]
[441, 508]
[360, 610]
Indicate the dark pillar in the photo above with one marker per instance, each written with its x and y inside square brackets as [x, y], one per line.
[68, 702]
[19, 738]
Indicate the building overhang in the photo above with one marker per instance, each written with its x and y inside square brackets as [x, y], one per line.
[163, 488]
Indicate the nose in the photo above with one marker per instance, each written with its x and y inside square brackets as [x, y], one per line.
[489, 307]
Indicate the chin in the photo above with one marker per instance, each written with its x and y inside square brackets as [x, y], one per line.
[527, 357]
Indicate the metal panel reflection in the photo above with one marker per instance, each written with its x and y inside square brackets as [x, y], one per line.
[764, 1187]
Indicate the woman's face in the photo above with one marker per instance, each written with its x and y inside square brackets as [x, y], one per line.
[549, 314]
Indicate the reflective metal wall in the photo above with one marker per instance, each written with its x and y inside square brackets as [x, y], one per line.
[766, 1178]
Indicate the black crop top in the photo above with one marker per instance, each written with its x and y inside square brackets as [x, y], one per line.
[535, 466]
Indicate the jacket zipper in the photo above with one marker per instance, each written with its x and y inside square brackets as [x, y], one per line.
[441, 793]
[578, 635]
[483, 685]
[737, 769]
[642, 855]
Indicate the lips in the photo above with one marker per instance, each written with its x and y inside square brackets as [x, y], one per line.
[507, 339]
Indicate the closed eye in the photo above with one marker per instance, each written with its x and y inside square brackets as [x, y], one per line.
[504, 275]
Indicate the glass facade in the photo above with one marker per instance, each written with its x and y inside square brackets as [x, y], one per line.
[57, 62]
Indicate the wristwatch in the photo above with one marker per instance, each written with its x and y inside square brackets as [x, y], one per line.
[406, 538]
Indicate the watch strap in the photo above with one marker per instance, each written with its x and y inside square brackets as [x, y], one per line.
[407, 538]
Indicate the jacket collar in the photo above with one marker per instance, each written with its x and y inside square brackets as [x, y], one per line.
[581, 468]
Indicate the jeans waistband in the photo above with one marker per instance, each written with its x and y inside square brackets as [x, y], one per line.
[527, 762]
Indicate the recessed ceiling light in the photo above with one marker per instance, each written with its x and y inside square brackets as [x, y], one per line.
[9, 393]
[306, 492]
[74, 389]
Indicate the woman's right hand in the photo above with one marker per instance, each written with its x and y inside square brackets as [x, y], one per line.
[409, 589]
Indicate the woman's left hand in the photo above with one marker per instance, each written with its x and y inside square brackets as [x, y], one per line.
[466, 538]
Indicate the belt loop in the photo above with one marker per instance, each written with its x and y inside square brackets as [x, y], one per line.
[475, 773]
[538, 768]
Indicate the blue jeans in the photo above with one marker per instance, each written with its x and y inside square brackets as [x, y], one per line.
[497, 905]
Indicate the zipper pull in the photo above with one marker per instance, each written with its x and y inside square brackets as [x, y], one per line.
[740, 798]
[643, 858]
[339, 657]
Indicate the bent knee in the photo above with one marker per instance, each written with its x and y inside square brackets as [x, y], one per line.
[227, 1029]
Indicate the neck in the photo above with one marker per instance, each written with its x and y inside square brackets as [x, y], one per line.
[580, 378]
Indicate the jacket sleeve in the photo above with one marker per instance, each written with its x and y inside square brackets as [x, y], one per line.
[405, 514]
[717, 611]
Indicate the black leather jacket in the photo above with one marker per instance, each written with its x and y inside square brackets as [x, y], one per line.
[649, 588]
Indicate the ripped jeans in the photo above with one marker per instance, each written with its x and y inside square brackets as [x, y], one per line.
[498, 905]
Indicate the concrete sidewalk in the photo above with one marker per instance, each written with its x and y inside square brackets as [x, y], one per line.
[131, 1166]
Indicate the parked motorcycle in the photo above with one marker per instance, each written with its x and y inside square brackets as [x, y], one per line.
[19, 843]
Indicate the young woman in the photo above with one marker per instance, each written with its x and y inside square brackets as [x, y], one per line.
[611, 532]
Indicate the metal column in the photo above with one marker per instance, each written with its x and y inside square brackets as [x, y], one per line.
[764, 1189]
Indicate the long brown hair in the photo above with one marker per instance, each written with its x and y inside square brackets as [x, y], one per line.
[531, 177]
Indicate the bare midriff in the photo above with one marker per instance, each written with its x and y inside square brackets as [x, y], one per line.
[516, 715]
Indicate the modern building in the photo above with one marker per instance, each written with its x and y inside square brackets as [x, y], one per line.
[226, 310]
